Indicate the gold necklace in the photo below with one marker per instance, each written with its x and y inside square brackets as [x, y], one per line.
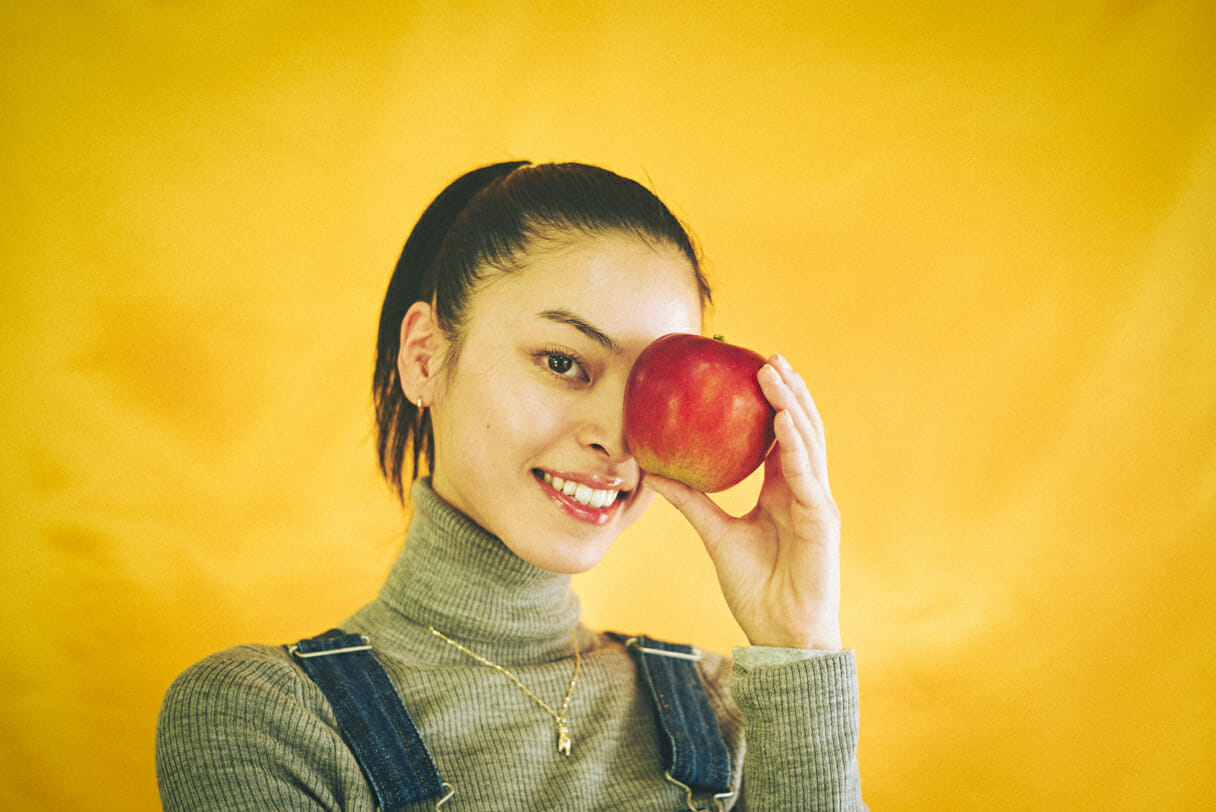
[563, 730]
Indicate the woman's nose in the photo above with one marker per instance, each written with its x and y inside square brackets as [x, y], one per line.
[603, 427]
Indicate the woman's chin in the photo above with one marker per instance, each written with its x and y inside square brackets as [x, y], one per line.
[565, 539]
[564, 556]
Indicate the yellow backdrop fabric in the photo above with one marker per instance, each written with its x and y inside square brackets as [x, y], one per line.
[983, 232]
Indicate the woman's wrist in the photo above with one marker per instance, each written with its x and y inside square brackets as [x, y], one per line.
[823, 636]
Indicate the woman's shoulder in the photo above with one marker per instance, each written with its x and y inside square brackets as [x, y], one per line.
[238, 683]
[250, 664]
[245, 728]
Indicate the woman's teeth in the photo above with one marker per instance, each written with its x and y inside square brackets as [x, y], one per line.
[583, 494]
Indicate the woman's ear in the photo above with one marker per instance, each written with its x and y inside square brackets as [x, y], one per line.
[420, 354]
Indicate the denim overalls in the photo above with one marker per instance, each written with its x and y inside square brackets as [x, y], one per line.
[379, 731]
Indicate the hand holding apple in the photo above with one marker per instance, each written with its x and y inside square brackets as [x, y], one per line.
[694, 411]
[778, 565]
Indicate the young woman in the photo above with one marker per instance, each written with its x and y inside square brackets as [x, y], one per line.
[520, 301]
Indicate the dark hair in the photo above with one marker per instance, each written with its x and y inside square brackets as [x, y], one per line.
[484, 224]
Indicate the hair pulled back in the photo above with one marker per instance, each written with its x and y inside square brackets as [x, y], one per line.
[483, 225]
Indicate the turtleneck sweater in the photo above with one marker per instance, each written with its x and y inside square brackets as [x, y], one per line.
[247, 729]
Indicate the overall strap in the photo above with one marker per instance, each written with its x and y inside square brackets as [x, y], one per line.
[690, 738]
[371, 717]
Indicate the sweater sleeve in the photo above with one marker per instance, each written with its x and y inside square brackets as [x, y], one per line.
[236, 733]
[802, 723]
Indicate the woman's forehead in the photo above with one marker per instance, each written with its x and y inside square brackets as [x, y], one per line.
[614, 282]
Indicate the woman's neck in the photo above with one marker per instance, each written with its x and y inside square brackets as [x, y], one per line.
[461, 580]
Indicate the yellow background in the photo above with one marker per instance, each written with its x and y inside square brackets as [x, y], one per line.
[984, 232]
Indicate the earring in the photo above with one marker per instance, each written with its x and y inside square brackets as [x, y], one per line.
[420, 406]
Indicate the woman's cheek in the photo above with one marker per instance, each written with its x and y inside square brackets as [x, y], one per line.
[541, 412]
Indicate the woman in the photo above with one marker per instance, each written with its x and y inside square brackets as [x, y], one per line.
[510, 325]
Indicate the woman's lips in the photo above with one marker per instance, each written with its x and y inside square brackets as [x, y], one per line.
[593, 500]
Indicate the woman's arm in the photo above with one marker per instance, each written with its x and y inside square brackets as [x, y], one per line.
[801, 722]
[779, 569]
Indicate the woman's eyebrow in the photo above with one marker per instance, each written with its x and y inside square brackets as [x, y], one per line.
[582, 325]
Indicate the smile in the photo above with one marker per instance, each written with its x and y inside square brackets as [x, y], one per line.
[583, 494]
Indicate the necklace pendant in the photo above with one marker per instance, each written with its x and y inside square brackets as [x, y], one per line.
[563, 738]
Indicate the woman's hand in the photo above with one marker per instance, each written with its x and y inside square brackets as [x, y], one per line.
[779, 565]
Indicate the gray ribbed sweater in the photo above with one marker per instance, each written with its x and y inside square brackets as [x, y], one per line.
[246, 729]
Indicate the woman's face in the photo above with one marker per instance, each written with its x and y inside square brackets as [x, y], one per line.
[528, 424]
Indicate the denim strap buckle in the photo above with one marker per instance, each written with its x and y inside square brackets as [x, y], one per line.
[638, 645]
[718, 797]
[294, 649]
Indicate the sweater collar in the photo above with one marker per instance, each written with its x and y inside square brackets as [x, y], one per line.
[455, 576]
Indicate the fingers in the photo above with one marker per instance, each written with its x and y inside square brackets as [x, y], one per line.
[709, 520]
[795, 461]
[788, 394]
[801, 392]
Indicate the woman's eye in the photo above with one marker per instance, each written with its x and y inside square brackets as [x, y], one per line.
[563, 365]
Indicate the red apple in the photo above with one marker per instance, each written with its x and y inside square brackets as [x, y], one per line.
[694, 411]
